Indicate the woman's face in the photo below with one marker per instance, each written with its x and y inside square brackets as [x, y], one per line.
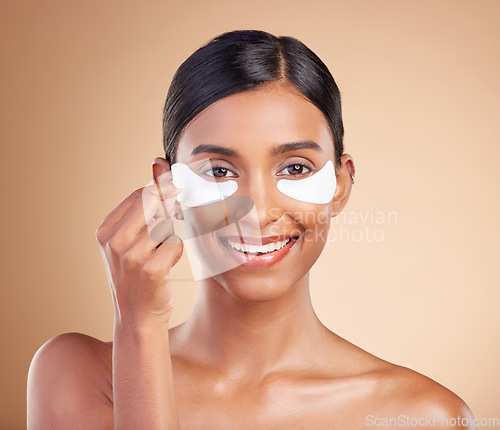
[247, 138]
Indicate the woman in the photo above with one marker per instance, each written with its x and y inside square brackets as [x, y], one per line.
[264, 112]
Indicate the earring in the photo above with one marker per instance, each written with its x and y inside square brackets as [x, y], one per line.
[352, 177]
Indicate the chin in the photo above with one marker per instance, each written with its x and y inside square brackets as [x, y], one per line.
[251, 287]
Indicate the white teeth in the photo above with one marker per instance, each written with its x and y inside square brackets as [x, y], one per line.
[254, 249]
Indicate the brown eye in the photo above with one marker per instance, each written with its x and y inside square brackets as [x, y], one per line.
[219, 172]
[295, 169]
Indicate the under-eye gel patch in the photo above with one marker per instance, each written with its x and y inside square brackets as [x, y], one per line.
[198, 191]
[318, 188]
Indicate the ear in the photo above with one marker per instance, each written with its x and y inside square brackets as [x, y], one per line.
[160, 166]
[345, 178]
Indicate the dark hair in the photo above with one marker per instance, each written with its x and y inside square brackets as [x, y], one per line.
[241, 60]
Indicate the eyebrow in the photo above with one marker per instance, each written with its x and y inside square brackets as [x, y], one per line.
[215, 149]
[277, 150]
[294, 146]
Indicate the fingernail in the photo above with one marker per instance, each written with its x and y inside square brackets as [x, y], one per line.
[173, 239]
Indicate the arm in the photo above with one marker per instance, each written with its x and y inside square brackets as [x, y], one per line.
[138, 269]
[143, 391]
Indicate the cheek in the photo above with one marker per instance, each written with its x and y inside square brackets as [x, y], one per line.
[317, 225]
[311, 222]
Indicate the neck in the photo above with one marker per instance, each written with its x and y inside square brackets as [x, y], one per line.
[247, 340]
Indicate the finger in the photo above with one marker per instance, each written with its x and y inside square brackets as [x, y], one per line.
[165, 183]
[156, 233]
[165, 188]
[151, 238]
[162, 231]
[142, 210]
[134, 220]
[117, 214]
[167, 254]
[147, 199]
[167, 201]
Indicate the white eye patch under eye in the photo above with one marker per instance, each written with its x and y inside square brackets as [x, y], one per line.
[318, 188]
[198, 191]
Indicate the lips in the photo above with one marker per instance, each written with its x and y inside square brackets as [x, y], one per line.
[250, 240]
[257, 252]
[259, 249]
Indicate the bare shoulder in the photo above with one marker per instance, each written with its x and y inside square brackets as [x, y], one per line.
[69, 380]
[375, 393]
[413, 399]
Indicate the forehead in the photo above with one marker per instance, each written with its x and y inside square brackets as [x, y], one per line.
[257, 120]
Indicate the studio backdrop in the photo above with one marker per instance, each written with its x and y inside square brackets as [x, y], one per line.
[410, 269]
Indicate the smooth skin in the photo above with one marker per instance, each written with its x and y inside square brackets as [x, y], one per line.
[253, 354]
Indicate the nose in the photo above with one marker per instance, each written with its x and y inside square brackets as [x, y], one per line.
[261, 189]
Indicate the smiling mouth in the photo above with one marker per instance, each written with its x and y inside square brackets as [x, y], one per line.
[246, 247]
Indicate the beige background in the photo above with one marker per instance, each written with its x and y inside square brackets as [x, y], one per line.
[82, 93]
